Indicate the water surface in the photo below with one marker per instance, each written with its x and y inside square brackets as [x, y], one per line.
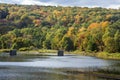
[52, 67]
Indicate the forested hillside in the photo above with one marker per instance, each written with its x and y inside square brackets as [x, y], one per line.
[67, 28]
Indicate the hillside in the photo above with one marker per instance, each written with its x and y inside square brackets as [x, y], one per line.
[68, 28]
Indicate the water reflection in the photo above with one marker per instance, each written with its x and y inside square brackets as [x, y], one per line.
[52, 68]
[54, 61]
[27, 73]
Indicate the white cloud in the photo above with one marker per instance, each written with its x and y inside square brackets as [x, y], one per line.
[114, 6]
[34, 2]
[84, 3]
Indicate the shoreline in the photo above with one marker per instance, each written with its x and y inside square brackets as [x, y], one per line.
[42, 52]
[102, 55]
[96, 73]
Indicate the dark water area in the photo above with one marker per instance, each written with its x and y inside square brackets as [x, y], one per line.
[68, 67]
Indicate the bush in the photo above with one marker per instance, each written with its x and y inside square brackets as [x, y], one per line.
[24, 49]
[5, 50]
[107, 55]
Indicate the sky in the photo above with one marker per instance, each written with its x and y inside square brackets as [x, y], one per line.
[115, 4]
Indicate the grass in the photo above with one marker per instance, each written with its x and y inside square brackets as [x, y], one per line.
[99, 72]
[109, 71]
[107, 55]
[84, 53]
[4, 50]
[36, 52]
[47, 51]
[104, 55]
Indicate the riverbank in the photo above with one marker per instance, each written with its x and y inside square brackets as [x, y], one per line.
[103, 55]
[39, 52]
[103, 73]
[107, 55]
[36, 50]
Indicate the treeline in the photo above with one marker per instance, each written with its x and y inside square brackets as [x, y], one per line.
[68, 28]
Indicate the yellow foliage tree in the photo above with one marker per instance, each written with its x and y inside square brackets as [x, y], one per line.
[93, 25]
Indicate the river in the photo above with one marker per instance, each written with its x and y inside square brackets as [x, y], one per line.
[68, 67]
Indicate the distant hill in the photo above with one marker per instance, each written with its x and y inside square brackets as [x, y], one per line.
[69, 28]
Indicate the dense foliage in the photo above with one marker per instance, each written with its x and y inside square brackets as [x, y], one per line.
[67, 28]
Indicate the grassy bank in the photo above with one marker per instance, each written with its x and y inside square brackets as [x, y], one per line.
[112, 74]
[4, 50]
[37, 52]
[40, 52]
[104, 55]
[107, 55]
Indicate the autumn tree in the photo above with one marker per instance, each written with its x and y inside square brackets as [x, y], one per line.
[67, 43]
[3, 13]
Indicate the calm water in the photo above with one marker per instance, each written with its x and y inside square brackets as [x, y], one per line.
[52, 67]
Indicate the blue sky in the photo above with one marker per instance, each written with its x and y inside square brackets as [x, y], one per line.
[82, 3]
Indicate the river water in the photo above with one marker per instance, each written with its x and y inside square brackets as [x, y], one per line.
[52, 67]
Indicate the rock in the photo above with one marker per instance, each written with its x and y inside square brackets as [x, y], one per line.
[13, 52]
[60, 53]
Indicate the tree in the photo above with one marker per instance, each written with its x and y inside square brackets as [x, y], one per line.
[91, 45]
[110, 44]
[67, 43]
[5, 41]
[117, 41]
[47, 44]
[111, 37]
[25, 21]
[69, 28]
[21, 42]
[3, 13]
[80, 39]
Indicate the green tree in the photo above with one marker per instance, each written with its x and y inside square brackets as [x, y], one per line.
[47, 44]
[25, 21]
[91, 45]
[21, 42]
[67, 43]
[3, 13]
[117, 41]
